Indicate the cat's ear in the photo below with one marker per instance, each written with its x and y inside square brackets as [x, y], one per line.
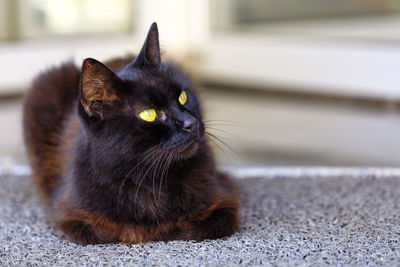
[99, 93]
[150, 53]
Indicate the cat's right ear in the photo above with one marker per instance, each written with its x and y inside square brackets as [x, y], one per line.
[150, 55]
[99, 93]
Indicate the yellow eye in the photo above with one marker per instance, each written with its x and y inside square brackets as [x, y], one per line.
[183, 98]
[148, 114]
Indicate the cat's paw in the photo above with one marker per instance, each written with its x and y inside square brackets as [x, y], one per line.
[221, 223]
[84, 234]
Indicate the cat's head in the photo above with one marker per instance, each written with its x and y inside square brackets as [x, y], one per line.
[145, 106]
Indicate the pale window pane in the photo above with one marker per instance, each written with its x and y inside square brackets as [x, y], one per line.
[74, 17]
[231, 13]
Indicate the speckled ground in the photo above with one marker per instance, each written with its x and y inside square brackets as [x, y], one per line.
[289, 218]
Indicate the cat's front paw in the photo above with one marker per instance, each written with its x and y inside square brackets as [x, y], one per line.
[84, 234]
[221, 223]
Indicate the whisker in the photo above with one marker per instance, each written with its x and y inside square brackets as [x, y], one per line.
[144, 176]
[215, 143]
[155, 173]
[216, 138]
[165, 173]
[226, 123]
[153, 152]
[235, 136]
[233, 122]
[161, 175]
[148, 156]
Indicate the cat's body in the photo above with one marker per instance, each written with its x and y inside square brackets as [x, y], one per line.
[108, 175]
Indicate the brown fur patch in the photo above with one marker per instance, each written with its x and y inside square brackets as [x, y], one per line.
[84, 227]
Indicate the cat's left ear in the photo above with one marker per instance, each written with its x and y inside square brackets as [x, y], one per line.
[99, 90]
[150, 54]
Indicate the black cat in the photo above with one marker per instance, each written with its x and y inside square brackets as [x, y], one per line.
[119, 154]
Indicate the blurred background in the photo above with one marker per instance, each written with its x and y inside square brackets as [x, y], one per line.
[283, 82]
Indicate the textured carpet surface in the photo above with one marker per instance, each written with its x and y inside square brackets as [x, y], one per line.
[289, 218]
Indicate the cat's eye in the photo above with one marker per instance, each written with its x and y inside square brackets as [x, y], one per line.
[148, 115]
[182, 98]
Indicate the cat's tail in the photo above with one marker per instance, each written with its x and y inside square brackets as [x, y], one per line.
[48, 105]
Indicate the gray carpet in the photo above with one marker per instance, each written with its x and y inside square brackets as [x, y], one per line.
[290, 217]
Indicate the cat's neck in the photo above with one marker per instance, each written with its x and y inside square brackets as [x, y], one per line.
[140, 166]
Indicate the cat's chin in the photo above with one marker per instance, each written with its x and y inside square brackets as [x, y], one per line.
[187, 150]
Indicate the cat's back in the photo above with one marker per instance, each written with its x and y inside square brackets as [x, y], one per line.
[48, 106]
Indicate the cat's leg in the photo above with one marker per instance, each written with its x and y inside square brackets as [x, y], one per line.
[84, 234]
[222, 218]
[221, 223]
[84, 227]
[219, 220]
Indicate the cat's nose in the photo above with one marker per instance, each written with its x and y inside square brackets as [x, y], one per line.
[190, 125]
